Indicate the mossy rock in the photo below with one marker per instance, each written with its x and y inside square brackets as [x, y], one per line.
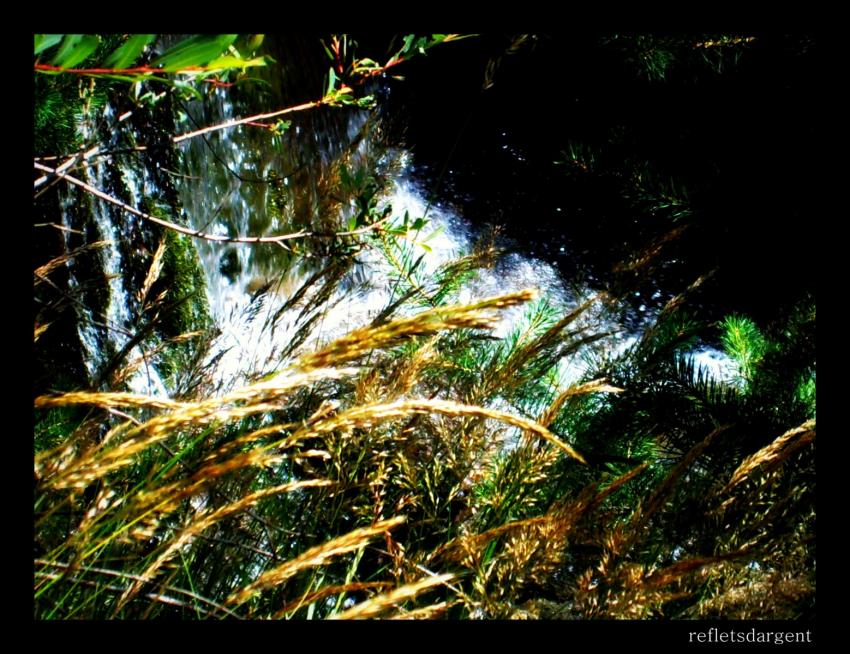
[188, 307]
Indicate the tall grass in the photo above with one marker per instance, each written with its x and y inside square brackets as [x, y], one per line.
[369, 479]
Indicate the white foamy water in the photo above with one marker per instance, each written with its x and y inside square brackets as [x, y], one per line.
[253, 342]
[257, 333]
[718, 364]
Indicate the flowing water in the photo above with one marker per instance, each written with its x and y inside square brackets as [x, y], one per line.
[105, 333]
[255, 332]
[227, 182]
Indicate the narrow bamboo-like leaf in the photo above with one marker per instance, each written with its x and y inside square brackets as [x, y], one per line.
[418, 261]
[253, 43]
[331, 81]
[194, 51]
[44, 41]
[75, 49]
[127, 53]
[229, 61]
[433, 235]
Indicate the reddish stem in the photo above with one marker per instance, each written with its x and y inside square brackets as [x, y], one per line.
[106, 71]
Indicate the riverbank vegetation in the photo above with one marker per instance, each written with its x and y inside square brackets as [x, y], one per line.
[418, 466]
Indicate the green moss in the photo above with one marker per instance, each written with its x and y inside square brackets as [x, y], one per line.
[189, 310]
[183, 272]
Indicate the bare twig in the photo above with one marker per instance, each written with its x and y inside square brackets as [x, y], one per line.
[241, 121]
[199, 234]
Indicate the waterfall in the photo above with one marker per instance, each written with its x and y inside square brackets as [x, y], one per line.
[108, 331]
[223, 190]
[256, 329]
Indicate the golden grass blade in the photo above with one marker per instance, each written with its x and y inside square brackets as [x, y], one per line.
[259, 398]
[561, 517]
[42, 271]
[107, 400]
[524, 354]
[153, 272]
[422, 613]
[166, 498]
[97, 463]
[662, 492]
[363, 416]
[458, 547]
[39, 330]
[314, 557]
[363, 340]
[595, 386]
[134, 364]
[327, 591]
[772, 454]
[207, 521]
[376, 605]
[618, 482]
[676, 571]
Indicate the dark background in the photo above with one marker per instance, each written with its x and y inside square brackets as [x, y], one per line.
[735, 133]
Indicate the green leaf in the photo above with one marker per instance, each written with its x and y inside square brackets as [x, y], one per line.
[188, 90]
[417, 263]
[408, 41]
[127, 53]
[229, 62]
[331, 82]
[254, 42]
[194, 51]
[75, 49]
[433, 234]
[44, 41]
[281, 126]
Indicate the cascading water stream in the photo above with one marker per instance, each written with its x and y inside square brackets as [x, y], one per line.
[224, 189]
[109, 331]
[216, 200]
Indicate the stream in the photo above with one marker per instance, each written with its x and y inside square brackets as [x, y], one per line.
[248, 180]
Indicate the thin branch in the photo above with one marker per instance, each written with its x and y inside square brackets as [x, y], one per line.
[77, 157]
[198, 234]
[240, 121]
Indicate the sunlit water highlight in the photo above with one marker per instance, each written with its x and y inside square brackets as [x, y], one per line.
[256, 333]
